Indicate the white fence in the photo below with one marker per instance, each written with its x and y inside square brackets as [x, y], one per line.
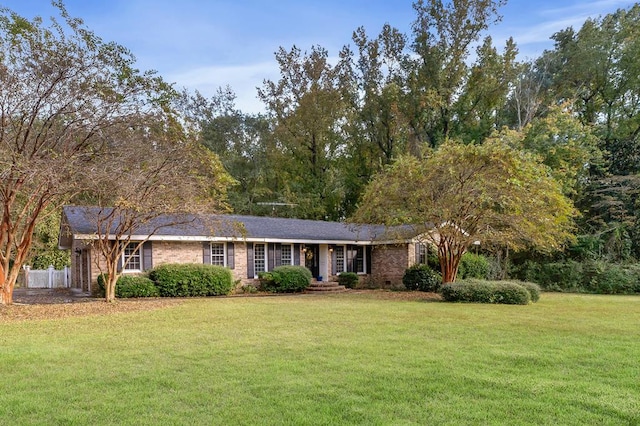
[47, 278]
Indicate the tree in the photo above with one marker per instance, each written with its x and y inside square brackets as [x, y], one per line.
[306, 107]
[464, 193]
[63, 93]
[444, 34]
[598, 68]
[148, 172]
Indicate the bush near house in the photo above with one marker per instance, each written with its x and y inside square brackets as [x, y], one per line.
[422, 278]
[479, 291]
[192, 280]
[348, 279]
[473, 266]
[131, 286]
[285, 279]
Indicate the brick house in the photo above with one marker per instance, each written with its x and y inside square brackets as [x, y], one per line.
[247, 245]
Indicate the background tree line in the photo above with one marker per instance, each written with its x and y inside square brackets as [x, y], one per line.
[329, 128]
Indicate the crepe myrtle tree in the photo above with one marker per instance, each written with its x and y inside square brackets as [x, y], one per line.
[460, 194]
[66, 97]
[150, 171]
[64, 93]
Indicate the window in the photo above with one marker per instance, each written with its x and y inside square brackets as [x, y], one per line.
[259, 259]
[131, 259]
[350, 259]
[422, 253]
[286, 254]
[217, 254]
[339, 251]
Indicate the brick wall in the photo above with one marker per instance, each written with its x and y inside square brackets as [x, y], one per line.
[176, 252]
[388, 264]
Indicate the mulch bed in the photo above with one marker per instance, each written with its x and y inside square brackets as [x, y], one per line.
[63, 303]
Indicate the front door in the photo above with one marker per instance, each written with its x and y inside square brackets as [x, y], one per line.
[311, 259]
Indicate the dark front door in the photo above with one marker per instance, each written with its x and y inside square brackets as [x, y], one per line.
[311, 257]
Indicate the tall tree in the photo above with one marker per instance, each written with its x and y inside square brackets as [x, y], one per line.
[464, 193]
[307, 107]
[444, 34]
[63, 93]
[599, 69]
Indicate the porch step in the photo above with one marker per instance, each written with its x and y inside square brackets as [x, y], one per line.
[325, 286]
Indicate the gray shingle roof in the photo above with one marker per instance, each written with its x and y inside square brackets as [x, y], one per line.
[82, 221]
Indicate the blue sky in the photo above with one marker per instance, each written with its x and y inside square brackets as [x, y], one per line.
[204, 44]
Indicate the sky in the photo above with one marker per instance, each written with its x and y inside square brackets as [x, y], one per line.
[205, 44]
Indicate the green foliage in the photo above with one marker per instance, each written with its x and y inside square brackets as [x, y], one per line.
[477, 291]
[490, 192]
[45, 251]
[286, 279]
[422, 278]
[192, 280]
[130, 286]
[473, 266]
[589, 276]
[348, 279]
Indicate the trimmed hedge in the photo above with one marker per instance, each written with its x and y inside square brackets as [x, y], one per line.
[285, 279]
[348, 279]
[478, 291]
[130, 286]
[422, 278]
[192, 280]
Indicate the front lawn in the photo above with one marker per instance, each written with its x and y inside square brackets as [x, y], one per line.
[338, 359]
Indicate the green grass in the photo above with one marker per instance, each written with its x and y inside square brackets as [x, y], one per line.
[326, 360]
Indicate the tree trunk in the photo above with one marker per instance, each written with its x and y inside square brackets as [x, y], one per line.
[6, 292]
[110, 288]
[6, 288]
[449, 262]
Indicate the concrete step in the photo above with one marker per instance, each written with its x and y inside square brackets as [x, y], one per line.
[325, 286]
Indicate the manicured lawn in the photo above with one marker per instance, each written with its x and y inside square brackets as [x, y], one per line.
[326, 360]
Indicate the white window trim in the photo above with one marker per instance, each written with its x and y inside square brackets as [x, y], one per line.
[266, 259]
[224, 253]
[291, 247]
[125, 263]
[346, 261]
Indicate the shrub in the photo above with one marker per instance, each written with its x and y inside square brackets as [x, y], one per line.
[130, 286]
[479, 291]
[532, 288]
[421, 277]
[589, 276]
[286, 279]
[191, 280]
[348, 279]
[473, 266]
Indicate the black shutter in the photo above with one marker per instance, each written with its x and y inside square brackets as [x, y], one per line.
[271, 256]
[250, 267]
[231, 259]
[296, 254]
[278, 255]
[206, 253]
[147, 256]
[334, 263]
[368, 258]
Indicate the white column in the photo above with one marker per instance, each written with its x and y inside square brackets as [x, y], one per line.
[324, 262]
